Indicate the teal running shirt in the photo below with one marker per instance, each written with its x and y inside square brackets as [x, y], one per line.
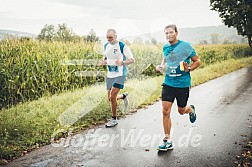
[174, 54]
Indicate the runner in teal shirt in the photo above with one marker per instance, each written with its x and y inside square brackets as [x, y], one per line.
[175, 77]
[177, 81]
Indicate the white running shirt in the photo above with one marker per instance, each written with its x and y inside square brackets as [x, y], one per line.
[112, 52]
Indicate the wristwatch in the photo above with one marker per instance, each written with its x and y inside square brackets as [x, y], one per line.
[123, 63]
[189, 69]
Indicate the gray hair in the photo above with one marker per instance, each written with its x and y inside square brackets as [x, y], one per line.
[111, 30]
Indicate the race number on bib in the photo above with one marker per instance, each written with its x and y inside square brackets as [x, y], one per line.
[113, 68]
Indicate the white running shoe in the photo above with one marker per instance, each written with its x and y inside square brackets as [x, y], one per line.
[112, 122]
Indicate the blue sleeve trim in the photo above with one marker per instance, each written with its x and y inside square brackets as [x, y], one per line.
[105, 45]
[121, 44]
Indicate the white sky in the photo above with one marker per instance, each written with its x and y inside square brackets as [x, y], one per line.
[128, 17]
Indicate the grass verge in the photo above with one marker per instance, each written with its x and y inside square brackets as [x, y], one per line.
[31, 125]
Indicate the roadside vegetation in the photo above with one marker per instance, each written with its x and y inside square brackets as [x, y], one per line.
[41, 92]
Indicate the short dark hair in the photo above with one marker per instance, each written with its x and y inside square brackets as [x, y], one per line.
[173, 26]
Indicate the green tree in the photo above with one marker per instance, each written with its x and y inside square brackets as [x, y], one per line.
[91, 37]
[236, 13]
[47, 33]
[64, 33]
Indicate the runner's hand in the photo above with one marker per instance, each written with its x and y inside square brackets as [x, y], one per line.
[159, 68]
[186, 66]
[118, 62]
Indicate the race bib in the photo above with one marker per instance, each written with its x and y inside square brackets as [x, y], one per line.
[177, 55]
[113, 68]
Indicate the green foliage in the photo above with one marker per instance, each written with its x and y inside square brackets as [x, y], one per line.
[150, 70]
[64, 34]
[144, 55]
[30, 125]
[30, 69]
[61, 33]
[47, 33]
[236, 13]
[91, 37]
[210, 54]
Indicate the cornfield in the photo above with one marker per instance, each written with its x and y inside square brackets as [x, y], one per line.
[30, 69]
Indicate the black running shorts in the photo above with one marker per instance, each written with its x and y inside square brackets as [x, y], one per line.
[170, 93]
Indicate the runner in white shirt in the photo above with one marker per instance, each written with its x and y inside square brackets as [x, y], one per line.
[116, 56]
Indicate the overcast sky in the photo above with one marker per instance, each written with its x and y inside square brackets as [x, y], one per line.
[128, 17]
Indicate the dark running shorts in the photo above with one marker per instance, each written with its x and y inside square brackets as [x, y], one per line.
[170, 93]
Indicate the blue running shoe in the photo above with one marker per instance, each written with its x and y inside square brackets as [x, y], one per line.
[166, 145]
[192, 115]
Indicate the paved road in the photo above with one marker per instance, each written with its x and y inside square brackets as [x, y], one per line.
[224, 114]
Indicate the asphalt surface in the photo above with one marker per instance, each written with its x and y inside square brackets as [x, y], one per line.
[223, 125]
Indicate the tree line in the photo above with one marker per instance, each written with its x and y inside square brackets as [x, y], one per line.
[62, 33]
[234, 13]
